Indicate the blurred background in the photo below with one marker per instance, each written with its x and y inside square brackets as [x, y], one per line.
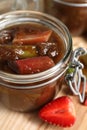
[73, 13]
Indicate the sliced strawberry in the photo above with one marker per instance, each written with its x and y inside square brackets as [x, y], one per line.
[23, 38]
[31, 65]
[60, 112]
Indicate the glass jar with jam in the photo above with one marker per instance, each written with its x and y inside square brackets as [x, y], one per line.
[35, 53]
[71, 12]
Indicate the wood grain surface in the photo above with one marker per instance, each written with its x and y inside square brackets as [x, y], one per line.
[10, 120]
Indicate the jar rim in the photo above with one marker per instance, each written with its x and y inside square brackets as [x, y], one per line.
[22, 79]
[82, 4]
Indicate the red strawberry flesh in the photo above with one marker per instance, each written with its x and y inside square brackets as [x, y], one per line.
[31, 65]
[60, 112]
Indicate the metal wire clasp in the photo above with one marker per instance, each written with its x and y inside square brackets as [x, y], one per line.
[74, 76]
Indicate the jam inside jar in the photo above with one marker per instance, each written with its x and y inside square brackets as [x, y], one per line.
[72, 13]
[35, 51]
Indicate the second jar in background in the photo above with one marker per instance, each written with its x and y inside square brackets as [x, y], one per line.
[71, 12]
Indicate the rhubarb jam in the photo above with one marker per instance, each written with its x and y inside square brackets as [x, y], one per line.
[35, 50]
[25, 43]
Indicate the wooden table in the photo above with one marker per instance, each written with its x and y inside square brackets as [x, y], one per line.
[10, 120]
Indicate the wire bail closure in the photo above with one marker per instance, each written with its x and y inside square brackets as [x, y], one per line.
[75, 77]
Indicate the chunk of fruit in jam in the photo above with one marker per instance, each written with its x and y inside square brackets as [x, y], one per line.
[24, 38]
[14, 52]
[31, 65]
[29, 49]
[48, 48]
[6, 37]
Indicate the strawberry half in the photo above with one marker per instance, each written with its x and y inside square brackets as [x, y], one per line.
[31, 65]
[60, 112]
[23, 38]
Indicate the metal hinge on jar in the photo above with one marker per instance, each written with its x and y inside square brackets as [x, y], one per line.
[75, 77]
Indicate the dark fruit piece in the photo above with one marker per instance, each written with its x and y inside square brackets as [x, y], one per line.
[48, 48]
[6, 37]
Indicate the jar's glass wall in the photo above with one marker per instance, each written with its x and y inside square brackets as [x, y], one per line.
[75, 1]
[72, 13]
[12, 5]
[26, 5]
[29, 92]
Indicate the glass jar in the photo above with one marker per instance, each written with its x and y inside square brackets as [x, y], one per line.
[29, 92]
[72, 13]
[18, 5]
